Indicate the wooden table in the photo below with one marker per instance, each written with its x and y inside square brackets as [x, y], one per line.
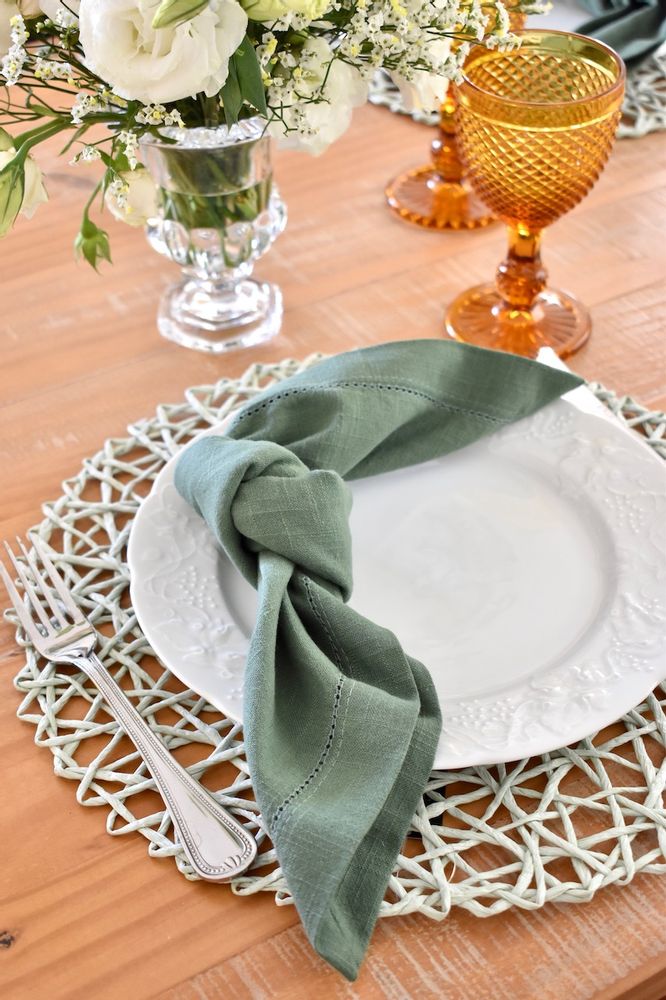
[84, 915]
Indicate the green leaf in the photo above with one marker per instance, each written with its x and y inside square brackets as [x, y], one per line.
[248, 73]
[231, 96]
[92, 243]
[12, 188]
[173, 12]
[26, 140]
[6, 141]
[118, 164]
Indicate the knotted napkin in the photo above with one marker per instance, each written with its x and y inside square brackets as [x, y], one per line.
[634, 28]
[341, 724]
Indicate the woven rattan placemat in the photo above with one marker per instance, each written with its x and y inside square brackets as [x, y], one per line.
[557, 827]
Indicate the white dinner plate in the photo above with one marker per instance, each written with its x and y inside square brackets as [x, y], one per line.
[526, 571]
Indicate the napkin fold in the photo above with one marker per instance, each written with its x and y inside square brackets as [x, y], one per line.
[634, 28]
[341, 724]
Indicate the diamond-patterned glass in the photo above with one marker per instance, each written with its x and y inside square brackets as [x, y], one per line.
[536, 125]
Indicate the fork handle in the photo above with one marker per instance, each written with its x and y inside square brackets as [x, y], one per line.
[217, 847]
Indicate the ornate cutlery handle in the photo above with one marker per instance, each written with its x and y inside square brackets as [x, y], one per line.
[216, 845]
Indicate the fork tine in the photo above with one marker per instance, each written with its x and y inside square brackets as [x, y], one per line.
[76, 614]
[40, 583]
[14, 596]
[30, 590]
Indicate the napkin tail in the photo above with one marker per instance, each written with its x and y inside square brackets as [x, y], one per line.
[343, 934]
[366, 757]
[341, 725]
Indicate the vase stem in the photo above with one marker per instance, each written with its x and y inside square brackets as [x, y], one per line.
[521, 276]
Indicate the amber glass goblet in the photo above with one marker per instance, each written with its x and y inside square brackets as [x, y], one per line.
[437, 195]
[536, 126]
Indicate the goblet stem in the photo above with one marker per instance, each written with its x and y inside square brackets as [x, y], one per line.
[445, 152]
[521, 276]
[518, 313]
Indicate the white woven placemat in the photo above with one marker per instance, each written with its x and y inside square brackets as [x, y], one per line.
[557, 827]
[644, 107]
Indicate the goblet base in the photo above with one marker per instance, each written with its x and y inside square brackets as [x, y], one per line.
[214, 317]
[480, 316]
[423, 197]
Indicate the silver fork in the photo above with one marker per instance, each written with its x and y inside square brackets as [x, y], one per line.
[216, 845]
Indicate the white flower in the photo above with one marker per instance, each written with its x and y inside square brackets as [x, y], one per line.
[152, 65]
[60, 13]
[51, 69]
[425, 91]
[318, 123]
[89, 154]
[157, 114]
[131, 143]
[88, 104]
[34, 192]
[8, 10]
[132, 197]
[12, 64]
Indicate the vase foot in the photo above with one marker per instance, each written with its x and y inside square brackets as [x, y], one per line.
[424, 198]
[208, 317]
[480, 316]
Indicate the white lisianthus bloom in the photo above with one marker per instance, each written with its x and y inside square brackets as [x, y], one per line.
[273, 10]
[133, 197]
[63, 11]
[425, 91]
[8, 10]
[34, 192]
[158, 65]
[341, 87]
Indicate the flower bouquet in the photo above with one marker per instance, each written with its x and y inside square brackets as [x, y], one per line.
[178, 99]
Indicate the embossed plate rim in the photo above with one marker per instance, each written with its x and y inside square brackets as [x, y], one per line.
[631, 666]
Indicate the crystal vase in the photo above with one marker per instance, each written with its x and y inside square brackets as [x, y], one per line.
[219, 211]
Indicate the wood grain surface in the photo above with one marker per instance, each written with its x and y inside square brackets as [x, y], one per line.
[85, 915]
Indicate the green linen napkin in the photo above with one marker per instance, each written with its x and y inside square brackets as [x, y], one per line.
[634, 28]
[341, 724]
